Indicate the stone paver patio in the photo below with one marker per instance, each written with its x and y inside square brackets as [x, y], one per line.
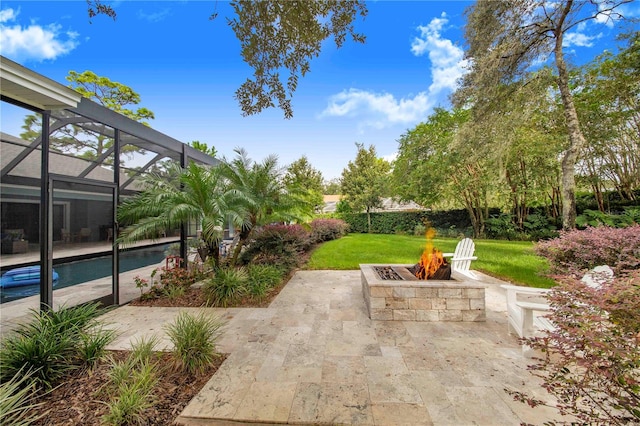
[314, 357]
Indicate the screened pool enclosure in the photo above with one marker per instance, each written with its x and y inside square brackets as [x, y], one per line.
[65, 163]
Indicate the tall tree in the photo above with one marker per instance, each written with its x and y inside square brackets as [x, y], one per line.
[278, 39]
[202, 146]
[111, 94]
[84, 142]
[523, 138]
[302, 178]
[506, 38]
[365, 181]
[438, 165]
[608, 103]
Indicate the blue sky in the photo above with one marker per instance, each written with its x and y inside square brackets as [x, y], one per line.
[186, 69]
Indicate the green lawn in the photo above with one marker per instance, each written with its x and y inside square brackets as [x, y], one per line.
[512, 261]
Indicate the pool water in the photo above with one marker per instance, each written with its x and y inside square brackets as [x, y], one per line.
[73, 273]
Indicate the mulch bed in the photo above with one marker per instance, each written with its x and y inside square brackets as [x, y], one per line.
[194, 298]
[80, 400]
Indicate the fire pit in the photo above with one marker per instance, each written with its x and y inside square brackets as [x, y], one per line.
[408, 298]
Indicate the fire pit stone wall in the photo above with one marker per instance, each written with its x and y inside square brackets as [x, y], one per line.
[410, 299]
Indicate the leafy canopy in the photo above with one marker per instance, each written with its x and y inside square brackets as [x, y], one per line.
[278, 39]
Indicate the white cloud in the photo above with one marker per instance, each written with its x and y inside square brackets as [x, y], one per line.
[7, 15]
[391, 157]
[381, 110]
[156, 16]
[33, 42]
[579, 39]
[447, 59]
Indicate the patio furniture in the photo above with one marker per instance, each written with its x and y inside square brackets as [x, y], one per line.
[84, 234]
[13, 242]
[66, 235]
[462, 257]
[525, 308]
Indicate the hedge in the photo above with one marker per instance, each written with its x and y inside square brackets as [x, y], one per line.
[406, 222]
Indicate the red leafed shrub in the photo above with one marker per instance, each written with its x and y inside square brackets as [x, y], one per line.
[591, 360]
[577, 251]
[328, 229]
[279, 245]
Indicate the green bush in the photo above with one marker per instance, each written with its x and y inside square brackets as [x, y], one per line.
[132, 395]
[406, 222]
[174, 291]
[194, 340]
[227, 286]
[419, 230]
[50, 345]
[630, 216]
[500, 227]
[262, 278]
[92, 345]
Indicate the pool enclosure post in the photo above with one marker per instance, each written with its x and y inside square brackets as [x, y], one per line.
[115, 258]
[183, 226]
[46, 220]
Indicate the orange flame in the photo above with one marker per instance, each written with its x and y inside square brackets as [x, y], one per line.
[431, 259]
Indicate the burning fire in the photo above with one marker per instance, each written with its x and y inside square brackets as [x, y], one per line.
[431, 259]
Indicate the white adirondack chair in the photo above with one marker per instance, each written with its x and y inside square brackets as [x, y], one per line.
[527, 306]
[462, 257]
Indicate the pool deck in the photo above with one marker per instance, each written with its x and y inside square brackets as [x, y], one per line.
[314, 357]
[71, 250]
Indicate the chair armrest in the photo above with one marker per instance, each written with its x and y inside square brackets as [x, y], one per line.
[532, 306]
[524, 290]
[448, 254]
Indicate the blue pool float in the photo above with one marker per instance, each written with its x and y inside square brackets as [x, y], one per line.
[28, 275]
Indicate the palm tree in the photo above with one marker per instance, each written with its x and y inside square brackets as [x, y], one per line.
[198, 194]
[266, 198]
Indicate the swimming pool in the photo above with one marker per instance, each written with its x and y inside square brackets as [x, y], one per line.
[81, 271]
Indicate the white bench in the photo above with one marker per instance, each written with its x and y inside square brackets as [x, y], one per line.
[525, 307]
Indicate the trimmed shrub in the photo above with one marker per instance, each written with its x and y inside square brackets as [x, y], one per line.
[577, 251]
[452, 222]
[280, 245]
[590, 360]
[328, 229]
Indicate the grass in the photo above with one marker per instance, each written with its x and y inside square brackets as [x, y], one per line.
[512, 261]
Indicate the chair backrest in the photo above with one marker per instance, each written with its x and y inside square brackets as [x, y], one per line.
[85, 232]
[462, 257]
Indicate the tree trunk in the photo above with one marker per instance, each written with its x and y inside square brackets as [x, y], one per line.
[368, 220]
[576, 138]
